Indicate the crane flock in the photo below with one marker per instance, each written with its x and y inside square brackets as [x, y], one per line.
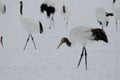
[82, 34]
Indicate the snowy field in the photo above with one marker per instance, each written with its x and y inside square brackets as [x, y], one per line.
[48, 63]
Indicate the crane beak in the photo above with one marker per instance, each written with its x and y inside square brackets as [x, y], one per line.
[63, 40]
[60, 44]
[1, 40]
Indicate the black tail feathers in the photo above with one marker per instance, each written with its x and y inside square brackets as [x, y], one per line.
[99, 34]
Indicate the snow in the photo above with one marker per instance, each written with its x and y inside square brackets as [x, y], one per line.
[48, 62]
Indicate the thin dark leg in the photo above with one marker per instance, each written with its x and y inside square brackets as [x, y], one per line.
[81, 57]
[107, 23]
[51, 22]
[26, 42]
[33, 41]
[116, 24]
[85, 59]
[66, 24]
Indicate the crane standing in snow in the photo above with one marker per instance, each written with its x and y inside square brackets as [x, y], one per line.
[50, 12]
[51, 7]
[84, 35]
[102, 17]
[30, 25]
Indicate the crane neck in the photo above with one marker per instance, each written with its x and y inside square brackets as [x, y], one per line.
[21, 8]
[114, 1]
[68, 42]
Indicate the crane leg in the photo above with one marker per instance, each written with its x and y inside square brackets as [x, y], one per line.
[85, 59]
[33, 41]
[50, 24]
[116, 24]
[81, 57]
[26, 42]
[66, 24]
[53, 22]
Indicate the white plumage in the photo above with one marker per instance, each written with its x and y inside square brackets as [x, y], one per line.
[51, 2]
[116, 11]
[81, 34]
[30, 25]
[84, 35]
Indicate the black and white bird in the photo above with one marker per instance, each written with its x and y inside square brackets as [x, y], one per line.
[30, 25]
[84, 35]
[116, 11]
[53, 6]
[48, 6]
[2, 8]
[102, 17]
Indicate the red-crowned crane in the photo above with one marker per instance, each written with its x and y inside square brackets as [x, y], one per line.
[53, 6]
[30, 25]
[84, 35]
[102, 16]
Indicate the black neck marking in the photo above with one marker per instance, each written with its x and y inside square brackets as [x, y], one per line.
[44, 7]
[64, 10]
[114, 1]
[21, 7]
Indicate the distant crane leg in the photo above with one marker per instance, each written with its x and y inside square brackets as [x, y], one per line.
[85, 59]
[33, 41]
[53, 21]
[116, 24]
[81, 56]
[26, 42]
[66, 24]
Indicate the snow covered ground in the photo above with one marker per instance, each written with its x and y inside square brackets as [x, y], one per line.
[48, 63]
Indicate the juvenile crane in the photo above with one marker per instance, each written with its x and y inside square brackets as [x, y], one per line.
[30, 25]
[84, 35]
